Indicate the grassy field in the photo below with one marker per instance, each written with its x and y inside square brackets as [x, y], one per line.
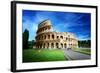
[34, 55]
[84, 51]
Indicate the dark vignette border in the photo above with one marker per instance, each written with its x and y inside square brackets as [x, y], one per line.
[13, 35]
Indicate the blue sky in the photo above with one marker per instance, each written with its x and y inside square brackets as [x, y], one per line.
[77, 23]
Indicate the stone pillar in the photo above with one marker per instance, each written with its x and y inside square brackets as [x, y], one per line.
[54, 45]
[58, 45]
[50, 37]
[49, 45]
[42, 45]
[46, 45]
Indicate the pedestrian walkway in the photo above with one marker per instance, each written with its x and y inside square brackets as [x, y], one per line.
[72, 55]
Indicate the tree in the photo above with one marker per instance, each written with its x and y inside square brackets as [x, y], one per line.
[84, 43]
[31, 44]
[25, 39]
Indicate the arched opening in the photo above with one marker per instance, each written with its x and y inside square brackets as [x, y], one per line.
[57, 37]
[45, 37]
[42, 37]
[39, 38]
[40, 45]
[52, 36]
[43, 29]
[61, 37]
[48, 45]
[61, 45]
[66, 38]
[65, 46]
[44, 45]
[52, 45]
[48, 36]
[57, 45]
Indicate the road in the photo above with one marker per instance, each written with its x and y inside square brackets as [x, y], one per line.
[72, 55]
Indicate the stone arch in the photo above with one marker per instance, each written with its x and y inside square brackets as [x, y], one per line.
[61, 37]
[44, 45]
[66, 38]
[57, 46]
[39, 37]
[40, 45]
[49, 36]
[44, 36]
[61, 45]
[52, 45]
[57, 37]
[43, 29]
[65, 45]
[52, 36]
[47, 45]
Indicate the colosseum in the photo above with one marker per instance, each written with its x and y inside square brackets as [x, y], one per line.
[46, 38]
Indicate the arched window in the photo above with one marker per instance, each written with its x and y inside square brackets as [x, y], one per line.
[61, 45]
[57, 37]
[42, 37]
[48, 45]
[57, 45]
[52, 45]
[66, 38]
[61, 37]
[45, 37]
[52, 36]
[39, 38]
[48, 36]
[65, 46]
[43, 29]
[44, 45]
[40, 45]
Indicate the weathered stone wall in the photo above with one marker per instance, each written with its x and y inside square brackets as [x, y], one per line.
[46, 38]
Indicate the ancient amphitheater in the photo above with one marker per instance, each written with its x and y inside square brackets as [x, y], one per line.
[46, 38]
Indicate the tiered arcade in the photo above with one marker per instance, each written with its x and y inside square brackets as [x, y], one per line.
[48, 39]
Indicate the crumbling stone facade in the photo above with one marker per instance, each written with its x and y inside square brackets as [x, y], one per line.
[46, 38]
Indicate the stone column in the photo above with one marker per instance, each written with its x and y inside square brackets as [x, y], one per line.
[54, 45]
[50, 37]
[58, 45]
[42, 45]
[49, 45]
[46, 45]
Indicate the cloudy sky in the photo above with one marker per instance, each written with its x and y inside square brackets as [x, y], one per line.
[77, 23]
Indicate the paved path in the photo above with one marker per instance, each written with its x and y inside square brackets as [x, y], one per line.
[72, 55]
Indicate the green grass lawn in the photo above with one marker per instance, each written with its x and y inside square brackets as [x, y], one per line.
[84, 51]
[34, 55]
